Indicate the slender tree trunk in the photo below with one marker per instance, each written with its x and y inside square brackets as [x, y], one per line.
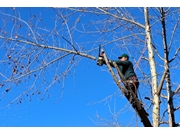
[156, 107]
[167, 78]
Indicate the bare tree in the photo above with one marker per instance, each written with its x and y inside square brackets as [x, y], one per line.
[32, 49]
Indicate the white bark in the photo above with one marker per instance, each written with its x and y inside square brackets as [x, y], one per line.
[156, 107]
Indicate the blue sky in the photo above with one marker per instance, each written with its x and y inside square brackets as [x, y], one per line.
[78, 100]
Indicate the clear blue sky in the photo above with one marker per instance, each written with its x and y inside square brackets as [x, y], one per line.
[82, 100]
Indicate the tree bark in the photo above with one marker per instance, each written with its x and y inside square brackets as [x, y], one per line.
[156, 96]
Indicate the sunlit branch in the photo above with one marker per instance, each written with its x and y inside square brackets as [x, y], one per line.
[50, 47]
[115, 40]
[122, 18]
[163, 96]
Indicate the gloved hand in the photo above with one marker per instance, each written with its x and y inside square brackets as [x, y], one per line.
[100, 60]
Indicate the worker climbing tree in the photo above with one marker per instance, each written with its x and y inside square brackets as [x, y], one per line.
[128, 77]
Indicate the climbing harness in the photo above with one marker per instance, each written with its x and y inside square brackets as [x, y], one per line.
[133, 80]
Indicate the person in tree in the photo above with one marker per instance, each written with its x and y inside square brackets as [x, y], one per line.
[126, 68]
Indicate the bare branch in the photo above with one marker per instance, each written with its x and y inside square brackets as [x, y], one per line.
[70, 44]
[157, 53]
[150, 99]
[145, 58]
[175, 55]
[113, 74]
[38, 69]
[167, 10]
[163, 122]
[163, 115]
[178, 107]
[162, 81]
[163, 96]
[23, 22]
[177, 90]
[173, 33]
[105, 99]
[50, 47]
[70, 35]
[122, 18]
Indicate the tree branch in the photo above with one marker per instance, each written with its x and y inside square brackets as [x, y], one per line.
[163, 122]
[178, 107]
[177, 90]
[122, 18]
[162, 81]
[163, 96]
[51, 47]
[124, 91]
[38, 69]
[173, 33]
[23, 22]
[176, 53]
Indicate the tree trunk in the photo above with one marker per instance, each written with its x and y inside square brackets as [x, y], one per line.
[167, 78]
[156, 99]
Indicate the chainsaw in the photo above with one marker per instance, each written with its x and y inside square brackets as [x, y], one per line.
[100, 60]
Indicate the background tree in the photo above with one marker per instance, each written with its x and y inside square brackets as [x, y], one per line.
[41, 48]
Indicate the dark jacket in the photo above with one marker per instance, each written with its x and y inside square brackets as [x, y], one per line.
[126, 67]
